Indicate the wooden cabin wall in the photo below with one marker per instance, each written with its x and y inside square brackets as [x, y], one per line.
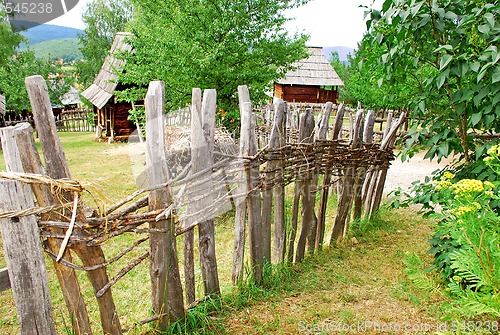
[304, 93]
[121, 124]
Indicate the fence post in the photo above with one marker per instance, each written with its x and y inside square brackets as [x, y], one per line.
[241, 202]
[361, 172]
[168, 302]
[23, 251]
[25, 158]
[323, 133]
[306, 135]
[278, 141]
[346, 196]
[202, 148]
[57, 168]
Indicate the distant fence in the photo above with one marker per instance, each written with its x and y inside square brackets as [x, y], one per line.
[75, 121]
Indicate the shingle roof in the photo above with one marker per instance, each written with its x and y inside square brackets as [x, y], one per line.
[314, 70]
[104, 84]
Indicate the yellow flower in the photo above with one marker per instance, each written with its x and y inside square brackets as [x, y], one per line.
[488, 185]
[467, 187]
[442, 184]
[448, 175]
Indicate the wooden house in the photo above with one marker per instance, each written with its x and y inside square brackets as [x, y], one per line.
[313, 80]
[112, 115]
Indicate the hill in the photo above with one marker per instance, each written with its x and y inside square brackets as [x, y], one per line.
[45, 32]
[65, 48]
[342, 51]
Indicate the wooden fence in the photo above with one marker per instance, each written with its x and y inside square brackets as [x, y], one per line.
[295, 150]
[77, 120]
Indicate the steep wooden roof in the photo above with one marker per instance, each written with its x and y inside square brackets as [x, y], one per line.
[104, 84]
[2, 104]
[314, 70]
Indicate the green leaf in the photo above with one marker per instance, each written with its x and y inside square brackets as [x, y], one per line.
[491, 19]
[416, 8]
[475, 118]
[444, 47]
[421, 106]
[444, 149]
[483, 93]
[445, 60]
[485, 29]
[475, 66]
[380, 82]
[451, 16]
[441, 79]
[496, 76]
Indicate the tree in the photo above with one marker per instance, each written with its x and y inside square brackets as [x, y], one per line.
[211, 44]
[15, 65]
[103, 19]
[452, 46]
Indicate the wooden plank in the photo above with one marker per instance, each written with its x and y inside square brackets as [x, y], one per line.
[346, 196]
[241, 202]
[323, 133]
[57, 168]
[248, 141]
[27, 159]
[4, 280]
[168, 302]
[308, 194]
[361, 172]
[202, 148]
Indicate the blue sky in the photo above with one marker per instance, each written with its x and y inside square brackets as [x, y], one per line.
[329, 22]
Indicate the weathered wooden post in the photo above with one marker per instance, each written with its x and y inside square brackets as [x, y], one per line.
[57, 168]
[202, 148]
[346, 196]
[323, 133]
[361, 172]
[28, 275]
[25, 158]
[168, 303]
[241, 202]
[306, 135]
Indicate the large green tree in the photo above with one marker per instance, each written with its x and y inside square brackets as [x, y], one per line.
[449, 48]
[102, 19]
[211, 44]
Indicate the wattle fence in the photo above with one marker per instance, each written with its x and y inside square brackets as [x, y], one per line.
[286, 154]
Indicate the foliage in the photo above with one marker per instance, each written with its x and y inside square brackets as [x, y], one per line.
[210, 44]
[15, 65]
[66, 49]
[455, 43]
[103, 19]
[466, 243]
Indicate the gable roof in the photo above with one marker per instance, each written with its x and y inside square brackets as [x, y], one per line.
[314, 70]
[105, 83]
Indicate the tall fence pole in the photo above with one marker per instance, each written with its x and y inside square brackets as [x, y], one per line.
[25, 158]
[168, 303]
[57, 168]
[23, 252]
[202, 148]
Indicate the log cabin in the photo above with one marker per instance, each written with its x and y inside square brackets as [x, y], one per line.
[312, 80]
[111, 115]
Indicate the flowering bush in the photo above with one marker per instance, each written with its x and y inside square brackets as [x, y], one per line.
[466, 242]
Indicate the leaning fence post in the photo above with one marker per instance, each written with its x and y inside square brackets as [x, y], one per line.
[57, 168]
[168, 303]
[361, 172]
[25, 158]
[346, 196]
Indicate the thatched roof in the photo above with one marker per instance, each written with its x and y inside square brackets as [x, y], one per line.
[314, 70]
[2, 104]
[104, 84]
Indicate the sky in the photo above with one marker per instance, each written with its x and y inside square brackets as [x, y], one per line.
[328, 22]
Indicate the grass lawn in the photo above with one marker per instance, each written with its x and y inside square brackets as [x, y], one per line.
[361, 280]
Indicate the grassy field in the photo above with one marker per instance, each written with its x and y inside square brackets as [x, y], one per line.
[361, 280]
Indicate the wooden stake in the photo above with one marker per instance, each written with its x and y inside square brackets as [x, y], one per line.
[57, 168]
[164, 266]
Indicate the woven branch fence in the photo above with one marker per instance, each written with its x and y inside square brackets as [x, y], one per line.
[284, 152]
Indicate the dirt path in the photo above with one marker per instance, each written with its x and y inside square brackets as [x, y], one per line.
[403, 174]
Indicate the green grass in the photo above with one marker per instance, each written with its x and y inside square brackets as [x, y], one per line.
[361, 279]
